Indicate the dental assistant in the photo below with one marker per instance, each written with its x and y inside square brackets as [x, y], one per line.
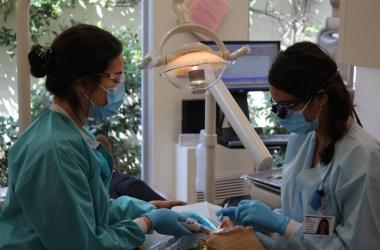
[58, 194]
[331, 169]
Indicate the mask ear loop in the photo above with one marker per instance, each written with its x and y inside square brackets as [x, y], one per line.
[357, 117]
[90, 103]
[89, 98]
[321, 105]
[302, 110]
[83, 91]
[103, 88]
[319, 112]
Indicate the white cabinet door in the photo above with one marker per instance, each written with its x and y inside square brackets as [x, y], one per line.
[359, 34]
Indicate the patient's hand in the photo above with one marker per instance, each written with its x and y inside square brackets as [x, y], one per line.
[167, 204]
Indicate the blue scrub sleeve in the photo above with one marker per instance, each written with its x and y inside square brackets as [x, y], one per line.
[72, 210]
[126, 207]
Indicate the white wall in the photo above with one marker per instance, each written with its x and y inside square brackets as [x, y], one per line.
[8, 79]
[367, 89]
[359, 39]
[163, 101]
[359, 33]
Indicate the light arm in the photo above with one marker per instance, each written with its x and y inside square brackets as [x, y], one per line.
[243, 128]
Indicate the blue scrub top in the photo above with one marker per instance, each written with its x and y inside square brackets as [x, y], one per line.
[58, 193]
[351, 182]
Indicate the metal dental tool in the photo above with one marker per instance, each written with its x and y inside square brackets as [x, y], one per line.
[225, 206]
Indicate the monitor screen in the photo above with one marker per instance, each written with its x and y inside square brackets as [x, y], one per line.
[249, 72]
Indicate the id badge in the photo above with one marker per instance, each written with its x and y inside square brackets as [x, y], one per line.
[314, 225]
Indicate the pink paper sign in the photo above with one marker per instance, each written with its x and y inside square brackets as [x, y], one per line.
[208, 13]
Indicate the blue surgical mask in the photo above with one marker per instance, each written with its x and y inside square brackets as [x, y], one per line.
[295, 122]
[115, 98]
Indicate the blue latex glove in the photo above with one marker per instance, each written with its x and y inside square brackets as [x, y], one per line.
[229, 212]
[255, 213]
[200, 219]
[168, 222]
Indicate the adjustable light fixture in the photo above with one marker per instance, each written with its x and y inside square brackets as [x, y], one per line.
[189, 71]
[196, 68]
[195, 56]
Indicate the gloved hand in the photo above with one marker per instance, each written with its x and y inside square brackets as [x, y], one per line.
[255, 213]
[200, 219]
[229, 212]
[168, 222]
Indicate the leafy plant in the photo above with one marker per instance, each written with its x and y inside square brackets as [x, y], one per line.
[260, 110]
[43, 13]
[123, 130]
[9, 131]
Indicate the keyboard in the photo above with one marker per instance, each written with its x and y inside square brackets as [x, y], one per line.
[233, 141]
[276, 139]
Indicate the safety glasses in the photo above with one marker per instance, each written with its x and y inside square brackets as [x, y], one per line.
[116, 78]
[282, 108]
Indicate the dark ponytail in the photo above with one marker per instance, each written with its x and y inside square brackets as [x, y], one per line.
[341, 108]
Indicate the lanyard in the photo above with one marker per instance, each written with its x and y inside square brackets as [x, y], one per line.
[319, 199]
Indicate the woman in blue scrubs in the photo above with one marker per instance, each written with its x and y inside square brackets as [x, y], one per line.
[332, 165]
[58, 194]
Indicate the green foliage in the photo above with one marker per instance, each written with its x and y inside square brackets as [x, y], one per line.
[9, 131]
[260, 108]
[123, 130]
[40, 98]
[42, 13]
[8, 40]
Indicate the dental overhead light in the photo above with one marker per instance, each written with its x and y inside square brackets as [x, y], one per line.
[188, 67]
[188, 72]
[196, 68]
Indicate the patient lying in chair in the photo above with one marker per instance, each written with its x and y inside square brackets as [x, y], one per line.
[223, 235]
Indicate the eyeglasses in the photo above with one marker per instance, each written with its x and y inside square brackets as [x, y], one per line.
[116, 78]
[282, 108]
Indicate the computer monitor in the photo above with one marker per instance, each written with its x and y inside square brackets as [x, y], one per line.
[249, 72]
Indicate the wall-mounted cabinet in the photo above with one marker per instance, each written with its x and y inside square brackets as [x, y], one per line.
[359, 34]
